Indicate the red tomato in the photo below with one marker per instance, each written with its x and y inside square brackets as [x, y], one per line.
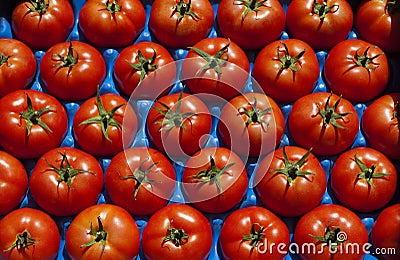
[179, 232]
[320, 23]
[363, 179]
[28, 233]
[216, 66]
[214, 180]
[17, 66]
[331, 232]
[14, 182]
[248, 233]
[323, 121]
[103, 231]
[42, 23]
[380, 125]
[357, 70]
[180, 23]
[33, 123]
[286, 70]
[136, 63]
[252, 24]
[98, 125]
[378, 22]
[141, 180]
[65, 67]
[384, 236]
[112, 23]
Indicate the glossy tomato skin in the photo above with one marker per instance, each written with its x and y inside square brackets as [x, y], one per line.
[182, 217]
[112, 27]
[40, 226]
[264, 24]
[42, 30]
[17, 65]
[13, 131]
[356, 192]
[323, 31]
[280, 82]
[145, 167]
[239, 224]
[68, 79]
[169, 31]
[380, 125]
[14, 182]
[357, 83]
[206, 195]
[335, 217]
[308, 130]
[122, 239]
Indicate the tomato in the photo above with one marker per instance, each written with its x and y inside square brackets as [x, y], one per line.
[378, 22]
[65, 67]
[98, 128]
[244, 21]
[112, 23]
[384, 235]
[215, 66]
[177, 231]
[380, 125]
[17, 65]
[286, 70]
[331, 231]
[42, 23]
[323, 121]
[141, 180]
[320, 23]
[214, 180]
[103, 231]
[178, 124]
[357, 70]
[248, 233]
[14, 182]
[137, 62]
[33, 123]
[28, 233]
[180, 23]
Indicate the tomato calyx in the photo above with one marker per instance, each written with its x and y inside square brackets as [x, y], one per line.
[329, 115]
[396, 113]
[69, 60]
[144, 65]
[323, 9]
[365, 61]
[251, 5]
[100, 235]
[368, 173]
[113, 7]
[331, 237]
[183, 9]
[255, 236]
[393, 7]
[22, 240]
[289, 62]
[3, 58]
[254, 115]
[38, 6]
[176, 235]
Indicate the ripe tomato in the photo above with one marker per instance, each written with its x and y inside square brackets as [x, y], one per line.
[14, 182]
[320, 23]
[248, 233]
[98, 128]
[103, 231]
[33, 123]
[251, 124]
[112, 23]
[216, 66]
[141, 180]
[380, 125]
[323, 121]
[180, 23]
[17, 65]
[288, 175]
[177, 231]
[363, 179]
[137, 62]
[286, 70]
[65, 67]
[357, 70]
[331, 232]
[214, 180]
[28, 233]
[378, 22]
[244, 21]
[42, 23]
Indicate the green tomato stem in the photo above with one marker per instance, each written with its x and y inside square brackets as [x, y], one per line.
[23, 240]
[38, 6]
